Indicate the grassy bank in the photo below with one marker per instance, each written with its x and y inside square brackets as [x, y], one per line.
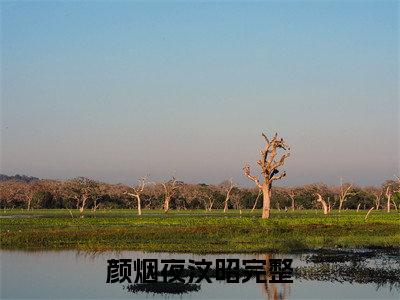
[196, 231]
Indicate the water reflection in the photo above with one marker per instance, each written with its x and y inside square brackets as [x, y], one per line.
[273, 291]
[177, 288]
[331, 274]
[381, 268]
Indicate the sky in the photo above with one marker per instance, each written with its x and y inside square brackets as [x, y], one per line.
[118, 90]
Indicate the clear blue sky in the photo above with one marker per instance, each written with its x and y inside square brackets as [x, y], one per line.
[117, 90]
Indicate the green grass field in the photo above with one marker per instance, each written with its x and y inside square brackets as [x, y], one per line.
[197, 231]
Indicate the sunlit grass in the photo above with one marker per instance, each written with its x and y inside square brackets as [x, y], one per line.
[197, 231]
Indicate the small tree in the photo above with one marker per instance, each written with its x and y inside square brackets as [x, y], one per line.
[227, 186]
[391, 188]
[292, 195]
[269, 169]
[388, 194]
[170, 188]
[137, 192]
[205, 193]
[236, 199]
[344, 191]
[324, 205]
[82, 190]
[376, 193]
[255, 202]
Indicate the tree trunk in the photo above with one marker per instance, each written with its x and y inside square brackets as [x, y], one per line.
[358, 206]
[324, 205]
[378, 203]
[83, 204]
[394, 204]
[226, 205]
[166, 204]
[255, 203]
[254, 206]
[366, 216]
[139, 206]
[266, 202]
[81, 210]
[388, 196]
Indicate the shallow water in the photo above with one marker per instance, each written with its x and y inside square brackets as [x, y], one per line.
[82, 275]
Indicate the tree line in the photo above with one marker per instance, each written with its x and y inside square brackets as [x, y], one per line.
[84, 193]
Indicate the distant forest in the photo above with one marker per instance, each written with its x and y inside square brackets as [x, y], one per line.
[26, 192]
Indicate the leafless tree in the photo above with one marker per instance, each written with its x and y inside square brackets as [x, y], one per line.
[292, 195]
[34, 187]
[388, 194]
[255, 202]
[81, 189]
[237, 202]
[344, 191]
[331, 206]
[377, 194]
[324, 205]
[138, 191]
[369, 211]
[269, 169]
[208, 202]
[392, 190]
[170, 188]
[228, 190]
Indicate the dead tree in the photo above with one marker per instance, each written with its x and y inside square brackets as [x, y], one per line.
[97, 191]
[331, 206]
[138, 191]
[255, 202]
[324, 205]
[170, 188]
[369, 211]
[343, 193]
[237, 202]
[377, 195]
[388, 194]
[205, 194]
[228, 194]
[208, 202]
[269, 169]
[397, 193]
[292, 194]
[392, 192]
[82, 190]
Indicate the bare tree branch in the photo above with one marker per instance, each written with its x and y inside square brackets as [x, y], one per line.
[269, 168]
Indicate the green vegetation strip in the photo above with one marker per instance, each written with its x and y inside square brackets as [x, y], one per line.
[197, 231]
